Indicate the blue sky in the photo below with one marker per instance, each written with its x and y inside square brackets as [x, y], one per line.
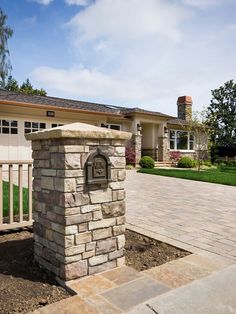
[124, 52]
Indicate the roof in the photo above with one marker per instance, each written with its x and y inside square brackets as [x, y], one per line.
[74, 104]
[177, 121]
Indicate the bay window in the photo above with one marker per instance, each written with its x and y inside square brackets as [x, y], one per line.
[181, 140]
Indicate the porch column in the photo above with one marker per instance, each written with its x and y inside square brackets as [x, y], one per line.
[136, 140]
[79, 199]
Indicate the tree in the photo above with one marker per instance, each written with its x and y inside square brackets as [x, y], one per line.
[5, 33]
[200, 130]
[221, 115]
[25, 88]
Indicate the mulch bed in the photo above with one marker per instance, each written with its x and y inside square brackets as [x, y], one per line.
[25, 287]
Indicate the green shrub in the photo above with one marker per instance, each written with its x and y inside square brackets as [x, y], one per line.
[186, 162]
[207, 163]
[146, 162]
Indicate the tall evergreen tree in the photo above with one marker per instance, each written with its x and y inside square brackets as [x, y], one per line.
[5, 33]
[221, 114]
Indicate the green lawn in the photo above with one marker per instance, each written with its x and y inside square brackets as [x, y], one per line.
[222, 175]
[15, 199]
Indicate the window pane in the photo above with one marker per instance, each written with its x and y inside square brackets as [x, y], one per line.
[5, 130]
[5, 122]
[42, 125]
[14, 123]
[191, 145]
[182, 140]
[14, 131]
[35, 125]
[27, 130]
[191, 136]
[34, 130]
[27, 124]
[115, 127]
[172, 144]
[172, 134]
[54, 125]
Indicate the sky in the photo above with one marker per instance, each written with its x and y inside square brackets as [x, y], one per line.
[136, 53]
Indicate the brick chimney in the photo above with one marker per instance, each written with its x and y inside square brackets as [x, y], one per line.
[184, 104]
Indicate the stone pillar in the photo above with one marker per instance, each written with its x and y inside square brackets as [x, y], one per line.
[79, 227]
[163, 151]
[137, 145]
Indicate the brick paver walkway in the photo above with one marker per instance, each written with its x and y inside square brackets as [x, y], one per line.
[197, 216]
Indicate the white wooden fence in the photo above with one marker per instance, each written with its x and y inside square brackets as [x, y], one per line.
[18, 173]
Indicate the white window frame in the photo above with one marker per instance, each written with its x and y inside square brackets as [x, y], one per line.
[34, 129]
[115, 124]
[9, 127]
[175, 141]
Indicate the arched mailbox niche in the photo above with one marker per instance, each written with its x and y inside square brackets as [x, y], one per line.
[98, 168]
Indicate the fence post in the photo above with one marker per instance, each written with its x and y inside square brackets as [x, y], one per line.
[79, 199]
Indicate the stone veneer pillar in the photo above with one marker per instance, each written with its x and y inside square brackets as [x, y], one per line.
[79, 228]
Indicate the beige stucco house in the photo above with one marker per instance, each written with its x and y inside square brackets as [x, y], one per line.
[154, 133]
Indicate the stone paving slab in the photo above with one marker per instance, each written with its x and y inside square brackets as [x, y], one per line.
[213, 294]
[197, 216]
[128, 295]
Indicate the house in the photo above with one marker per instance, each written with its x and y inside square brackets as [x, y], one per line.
[154, 133]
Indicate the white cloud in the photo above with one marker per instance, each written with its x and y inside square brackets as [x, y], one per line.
[77, 2]
[43, 2]
[117, 20]
[142, 53]
[202, 4]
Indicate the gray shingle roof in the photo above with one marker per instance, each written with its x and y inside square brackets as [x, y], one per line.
[56, 102]
[75, 104]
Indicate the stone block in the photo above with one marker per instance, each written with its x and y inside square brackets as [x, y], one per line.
[73, 199]
[106, 246]
[97, 260]
[90, 208]
[71, 149]
[118, 230]
[104, 233]
[121, 241]
[100, 196]
[65, 185]
[37, 185]
[72, 161]
[74, 250]
[105, 223]
[74, 270]
[113, 209]
[64, 241]
[49, 234]
[48, 172]
[118, 162]
[69, 259]
[83, 227]
[120, 261]
[83, 237]
[90, 246]
[36, 145]
[120, 220]
[97, 215]
[102, 267]
[116, 254]
[47, 183]
[77, 219]
[88, 254]
[58, 160]
[41, 154]
[120, 195]
[70, 173]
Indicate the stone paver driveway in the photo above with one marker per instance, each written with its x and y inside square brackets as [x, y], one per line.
[197, 216]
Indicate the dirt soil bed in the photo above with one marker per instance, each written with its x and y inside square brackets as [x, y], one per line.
[143, 253]
[25, 287]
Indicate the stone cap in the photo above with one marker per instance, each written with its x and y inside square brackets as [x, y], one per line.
[184, 100]
[78, 130]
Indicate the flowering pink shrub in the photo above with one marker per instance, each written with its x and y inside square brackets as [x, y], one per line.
[175, 156]
[130, 155]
